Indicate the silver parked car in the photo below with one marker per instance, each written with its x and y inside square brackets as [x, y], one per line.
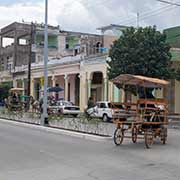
[65, 108]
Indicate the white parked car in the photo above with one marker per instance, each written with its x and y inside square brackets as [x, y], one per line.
[102, 109]
[65, 108]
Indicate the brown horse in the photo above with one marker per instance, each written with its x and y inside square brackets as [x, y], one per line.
[34, 105]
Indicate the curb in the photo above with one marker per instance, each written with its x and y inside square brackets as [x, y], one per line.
[57, 131]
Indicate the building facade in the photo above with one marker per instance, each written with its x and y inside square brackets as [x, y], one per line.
[77, 61]
[173, 94]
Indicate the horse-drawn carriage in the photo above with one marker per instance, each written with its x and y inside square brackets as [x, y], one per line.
[145, 119]
[14, 101]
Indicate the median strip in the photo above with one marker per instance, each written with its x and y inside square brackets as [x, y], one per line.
[57, 130]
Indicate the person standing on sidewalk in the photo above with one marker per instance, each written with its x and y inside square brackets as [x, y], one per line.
[90, 103]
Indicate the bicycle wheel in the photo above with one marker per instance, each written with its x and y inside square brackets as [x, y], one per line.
[118, 136]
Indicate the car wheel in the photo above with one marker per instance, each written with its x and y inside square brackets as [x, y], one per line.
[105, 118]
[60, 112]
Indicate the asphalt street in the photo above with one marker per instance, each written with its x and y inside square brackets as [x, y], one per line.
[29, 154]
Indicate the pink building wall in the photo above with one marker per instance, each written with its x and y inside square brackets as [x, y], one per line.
[60, 80]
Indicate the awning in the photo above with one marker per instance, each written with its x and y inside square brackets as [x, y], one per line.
[24, 96]
[54, 89]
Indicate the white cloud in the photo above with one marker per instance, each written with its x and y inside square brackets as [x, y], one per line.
[17, 12]
[87, 15]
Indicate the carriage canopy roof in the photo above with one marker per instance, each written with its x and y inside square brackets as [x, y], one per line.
[137, 80]
[16, 89]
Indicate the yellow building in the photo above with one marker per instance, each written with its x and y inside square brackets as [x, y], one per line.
[173, 39]
[77, 63]
[79, 79]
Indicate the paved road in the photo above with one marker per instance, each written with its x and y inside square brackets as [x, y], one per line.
[27, 154]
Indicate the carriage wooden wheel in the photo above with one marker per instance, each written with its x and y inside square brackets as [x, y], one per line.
[118, 136]
[149, 138]
[134, 134]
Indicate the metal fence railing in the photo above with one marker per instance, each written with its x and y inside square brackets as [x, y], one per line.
[82, 123]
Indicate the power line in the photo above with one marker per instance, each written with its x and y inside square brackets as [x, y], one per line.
[165, 10]
[167, 2]
[143, 14]
[148, 15]
[154, 14]
[140, 17]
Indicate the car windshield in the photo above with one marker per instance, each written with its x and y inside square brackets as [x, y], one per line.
[118, 106]
[110, 105]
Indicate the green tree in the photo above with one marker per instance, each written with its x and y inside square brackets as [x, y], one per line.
[142, 51]
[4, 90]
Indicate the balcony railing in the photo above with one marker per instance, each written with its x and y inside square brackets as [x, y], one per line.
[19, 69]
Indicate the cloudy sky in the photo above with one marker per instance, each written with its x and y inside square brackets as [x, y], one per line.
[87, 15]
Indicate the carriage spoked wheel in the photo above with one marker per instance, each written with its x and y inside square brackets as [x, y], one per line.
[118, 136]
[149, 138]
[163, 135]
[134, 134]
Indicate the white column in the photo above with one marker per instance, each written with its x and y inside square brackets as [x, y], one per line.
[66, 87]
[53, 81]
[53, 84]
[14, 83]
[110, 92]
[105, 89]
[83, 92]
[32, 87]
[88, 77]
[89, 87]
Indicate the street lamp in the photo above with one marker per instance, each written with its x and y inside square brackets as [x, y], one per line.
[44, 119]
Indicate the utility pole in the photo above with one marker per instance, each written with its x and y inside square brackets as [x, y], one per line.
[44, 119]
[138, 19]
[31, 41]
